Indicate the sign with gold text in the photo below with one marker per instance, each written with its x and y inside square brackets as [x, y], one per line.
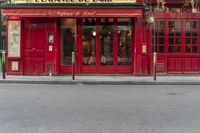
[14, 38]
[71, 1]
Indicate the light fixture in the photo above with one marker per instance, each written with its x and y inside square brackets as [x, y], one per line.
[150, 19]
[94, 33]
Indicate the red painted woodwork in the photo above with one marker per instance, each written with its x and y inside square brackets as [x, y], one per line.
[73, 12]
[51, 64]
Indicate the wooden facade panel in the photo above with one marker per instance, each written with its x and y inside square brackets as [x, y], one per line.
[187, 64]
[195, 64]
[145, 66]
[191, 65]
[38, 65]
[174, 65]
[28, 67]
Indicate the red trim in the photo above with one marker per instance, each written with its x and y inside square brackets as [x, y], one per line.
[73, 12]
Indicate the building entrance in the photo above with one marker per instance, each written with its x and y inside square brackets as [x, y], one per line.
[106, 45]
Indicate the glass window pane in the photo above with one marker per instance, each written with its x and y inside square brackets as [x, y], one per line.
[194, 49]
[178, 32]
[171, 24]
[187, 49]
[161, 32]
[178, 48]
[171, 40]
[161, 49]
[162, 24]
[106, 44]
[68, 38]
[187, 41]
[161, 40]
[171, 33]
[155, 40]
[154, 33]
[187, 25]
[187, 33]
[178, 25]
[89, 43]
[106, 21]
[178, 40]
[194, 33]
[171, 49]
[194, 41]
[194, 24]
[124, 42]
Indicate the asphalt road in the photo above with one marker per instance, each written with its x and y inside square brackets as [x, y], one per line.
[99, 109]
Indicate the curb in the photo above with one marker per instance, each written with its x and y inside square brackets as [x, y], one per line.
[98, 82]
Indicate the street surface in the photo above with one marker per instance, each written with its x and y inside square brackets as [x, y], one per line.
[99, 109]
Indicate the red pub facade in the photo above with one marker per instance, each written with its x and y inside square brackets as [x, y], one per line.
[108, 37]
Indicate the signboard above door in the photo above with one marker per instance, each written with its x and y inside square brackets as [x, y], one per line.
[72, 1]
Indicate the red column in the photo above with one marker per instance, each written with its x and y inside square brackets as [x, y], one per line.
[137, 48]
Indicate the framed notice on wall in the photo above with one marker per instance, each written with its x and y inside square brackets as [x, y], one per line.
[14, 27]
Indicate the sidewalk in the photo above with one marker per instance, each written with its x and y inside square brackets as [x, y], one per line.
[104, 80]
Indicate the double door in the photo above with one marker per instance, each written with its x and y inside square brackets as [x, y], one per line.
[106, 45]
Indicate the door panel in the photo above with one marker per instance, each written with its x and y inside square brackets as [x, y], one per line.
[34, 49]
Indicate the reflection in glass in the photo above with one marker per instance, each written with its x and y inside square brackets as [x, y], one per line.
[187, 41]
[171, 40]
[68, 32]
[171, 32]
[89, 41]
[194, 49]
[161, 40]
[195, 24]
[171, 24]
[161, 32]
[187, 25]
[194, 41]
[178, 48]
[178, 25]
[178, 40]
[106, 44]
[171, 49]
[124, 42]
[162, 24]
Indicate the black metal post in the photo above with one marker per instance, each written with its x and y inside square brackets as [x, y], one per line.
[73, 65]
[3, 64]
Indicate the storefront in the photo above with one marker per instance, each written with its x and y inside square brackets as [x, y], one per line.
[106, 38]
[176, 38]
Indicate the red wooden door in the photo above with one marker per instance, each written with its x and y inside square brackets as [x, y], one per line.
[34, 49]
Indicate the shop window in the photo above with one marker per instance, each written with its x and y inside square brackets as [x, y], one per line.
[68, 38]
[158, 36]
[89, 41]
[191, 36]
[174, 36]
[124, 41]
[106, 41]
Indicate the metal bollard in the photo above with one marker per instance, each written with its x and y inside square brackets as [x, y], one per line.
[154, 65]
[3, 64]
[73, 65]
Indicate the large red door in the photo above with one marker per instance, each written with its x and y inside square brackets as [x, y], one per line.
[34, 49]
